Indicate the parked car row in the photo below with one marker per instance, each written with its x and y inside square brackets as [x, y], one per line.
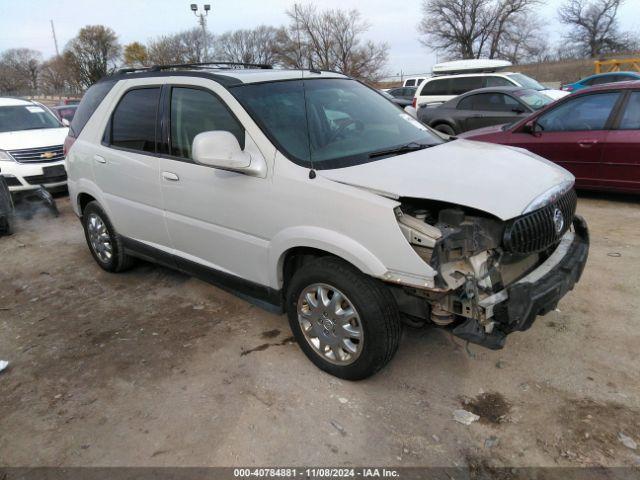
[594, 133]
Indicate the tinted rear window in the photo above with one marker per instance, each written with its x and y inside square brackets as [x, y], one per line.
[133, 125]
[90, 102]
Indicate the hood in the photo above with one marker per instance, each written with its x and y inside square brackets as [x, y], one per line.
[42, 137]
[555, 94]
[496, 179]
[482, 131]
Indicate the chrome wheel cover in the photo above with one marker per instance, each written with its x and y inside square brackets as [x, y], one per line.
[330, 324]
[99, 238]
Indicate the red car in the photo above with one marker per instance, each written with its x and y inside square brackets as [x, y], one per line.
[594, 133]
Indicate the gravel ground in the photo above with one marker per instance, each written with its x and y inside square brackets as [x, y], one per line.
[154, 368]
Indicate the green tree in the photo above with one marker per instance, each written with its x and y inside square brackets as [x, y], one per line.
[135, 54]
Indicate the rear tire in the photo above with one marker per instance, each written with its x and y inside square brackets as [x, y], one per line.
[355, 335]
[444, 128]
[103, 241]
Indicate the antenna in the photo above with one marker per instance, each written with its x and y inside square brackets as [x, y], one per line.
[55, 40]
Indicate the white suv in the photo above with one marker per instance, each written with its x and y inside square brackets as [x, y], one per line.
[442, 88]
[31, 146]
[310, 193]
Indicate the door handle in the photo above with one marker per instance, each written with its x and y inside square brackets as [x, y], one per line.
[170, 176]
[587, 143]
[99, 159]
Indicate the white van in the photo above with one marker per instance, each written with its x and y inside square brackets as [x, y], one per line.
[413, 81]
[455, 78]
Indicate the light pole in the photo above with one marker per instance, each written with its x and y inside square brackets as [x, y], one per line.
[202, 19]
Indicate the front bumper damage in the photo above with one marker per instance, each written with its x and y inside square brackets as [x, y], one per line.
[516, 307]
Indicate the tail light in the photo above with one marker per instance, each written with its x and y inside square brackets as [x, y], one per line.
[414, 102]
[68, 143]
[568, 88]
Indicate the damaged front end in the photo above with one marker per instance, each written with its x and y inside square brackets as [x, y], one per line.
[493, 277]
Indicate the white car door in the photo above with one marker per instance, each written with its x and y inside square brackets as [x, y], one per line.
[126, 167]
[212, 215]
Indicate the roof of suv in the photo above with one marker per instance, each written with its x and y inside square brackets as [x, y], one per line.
[228, 76]
[13, 102]
[610, 86]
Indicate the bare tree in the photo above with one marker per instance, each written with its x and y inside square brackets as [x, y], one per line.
[181, 47]
[593, 26]
[257, 45]
[56, 75]
[523, 41]
[331, 40]
[20, 70]
[93, 53]
[471, 28]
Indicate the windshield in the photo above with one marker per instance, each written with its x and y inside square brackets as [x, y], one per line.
[534, 99]
[332, 123]
[527, 82]
[26, 117]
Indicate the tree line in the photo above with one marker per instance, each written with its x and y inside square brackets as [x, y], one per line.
[513, 30]
[330, 39]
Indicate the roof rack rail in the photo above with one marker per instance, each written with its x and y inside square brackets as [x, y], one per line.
[199, 65]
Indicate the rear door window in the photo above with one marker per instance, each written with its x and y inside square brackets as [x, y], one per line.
[496, 102]
[133, 125]
[410, 83]
[436, 87]
[631, 117]
[465, 84]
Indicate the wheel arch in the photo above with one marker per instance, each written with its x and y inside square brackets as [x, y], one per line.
[83, 200]
[292, 248]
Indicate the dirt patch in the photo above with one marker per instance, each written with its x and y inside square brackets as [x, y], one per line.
[271, 333]
[591, 429]
[492, 407]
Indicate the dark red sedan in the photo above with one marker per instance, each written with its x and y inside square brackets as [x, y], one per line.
[594, 133]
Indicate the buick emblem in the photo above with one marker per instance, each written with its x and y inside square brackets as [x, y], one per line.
[558, 220]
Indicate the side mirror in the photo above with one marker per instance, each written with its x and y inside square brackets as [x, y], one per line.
[532, 128]
[220, 149]
[65, 122]
[518, 110]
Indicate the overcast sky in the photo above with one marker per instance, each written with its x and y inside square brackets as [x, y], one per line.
[25, 23]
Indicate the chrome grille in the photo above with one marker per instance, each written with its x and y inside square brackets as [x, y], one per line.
[536, 231]
[38, 155]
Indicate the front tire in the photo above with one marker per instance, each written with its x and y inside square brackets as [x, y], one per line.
[103, 241]
[446, 129]
[346, 323]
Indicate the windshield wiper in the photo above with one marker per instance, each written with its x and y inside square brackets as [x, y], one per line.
[409, 147]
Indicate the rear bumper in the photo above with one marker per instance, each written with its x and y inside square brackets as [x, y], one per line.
[516, 307]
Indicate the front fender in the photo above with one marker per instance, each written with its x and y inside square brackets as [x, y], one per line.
[329, 241]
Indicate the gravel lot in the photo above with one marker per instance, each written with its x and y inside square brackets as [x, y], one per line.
[151, 367]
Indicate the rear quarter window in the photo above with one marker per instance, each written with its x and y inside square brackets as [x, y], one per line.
[436, 87]
[90, 102]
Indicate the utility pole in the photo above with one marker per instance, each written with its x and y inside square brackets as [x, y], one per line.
[55, 40]
[202, 19]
